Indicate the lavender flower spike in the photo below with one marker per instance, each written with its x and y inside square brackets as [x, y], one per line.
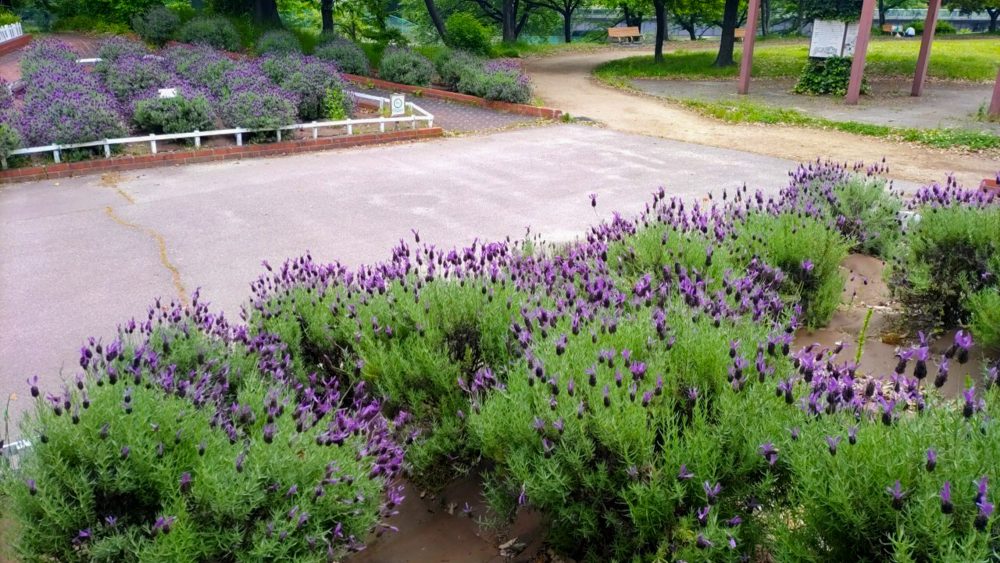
[946, 505]
[897, 493]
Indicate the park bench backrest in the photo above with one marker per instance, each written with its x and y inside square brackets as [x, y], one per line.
[740, 32]
[619, 32]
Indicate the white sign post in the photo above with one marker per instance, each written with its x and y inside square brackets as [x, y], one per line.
[397, 105]
[833, 39]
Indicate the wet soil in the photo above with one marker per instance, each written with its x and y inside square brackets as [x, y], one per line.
[451, 526]
[866, 289]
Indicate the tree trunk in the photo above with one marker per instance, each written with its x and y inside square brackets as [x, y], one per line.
[692, 32]
[568, 25]
[509, 23]
[994, 15]
[432, 11]
[881, 13]
[765, 17]
[728, 41]
[326, 14]
[265, 12]
[660, 7]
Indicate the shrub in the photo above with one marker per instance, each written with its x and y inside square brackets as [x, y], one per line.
[157, 26]
[308, 78]
[63, 103]
[200, 65]
[949, 254]
[278, 42]
[464, 32]
[349, 58]
[90, 24]
[111, 11]
[6, 96]
[214, 31]
[941, 28]
[404, 66]
[500, 80]
[113, 48]
[146, 460]
[189, 111]
[453, 65]
[10, 139]
[337, 104]
[259, 106]
[827, 76]
[131, 75]
[984, 321]
[7, 17]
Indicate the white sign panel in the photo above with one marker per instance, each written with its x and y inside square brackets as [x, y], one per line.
[851, 39]
[397, 104]
[827, 39]
[168, 92]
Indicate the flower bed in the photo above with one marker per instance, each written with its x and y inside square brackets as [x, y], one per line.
[205, 90]
[637, 387]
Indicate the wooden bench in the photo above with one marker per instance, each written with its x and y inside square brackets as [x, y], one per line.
[888, 28]
[740, 33]
[622, 34]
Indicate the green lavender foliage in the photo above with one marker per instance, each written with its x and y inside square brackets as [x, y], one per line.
[82, 480]
[947, 256]
[984, 321]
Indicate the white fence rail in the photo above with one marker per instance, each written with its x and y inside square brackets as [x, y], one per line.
[417, 114]
[10, 31]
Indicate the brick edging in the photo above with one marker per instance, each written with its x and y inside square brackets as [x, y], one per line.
[14, 44]
[522, 109]
[119, 164]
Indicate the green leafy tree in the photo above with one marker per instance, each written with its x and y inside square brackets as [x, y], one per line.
[991, 7]
[564, 8]
[692, 15]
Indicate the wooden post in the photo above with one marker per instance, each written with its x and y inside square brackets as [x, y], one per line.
[995, 104]
[746, 61]
[930, 23]
[860, 52]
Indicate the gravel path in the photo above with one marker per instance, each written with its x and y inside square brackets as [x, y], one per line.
[565, 82]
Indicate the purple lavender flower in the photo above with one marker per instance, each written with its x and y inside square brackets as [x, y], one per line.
[769, 452]
[931, 459]
[32, 488]
[831, 442]
[702, 542]
[984, 514]
[163, 524]
[703, 514]
[684, 474]
[897, 493]
[185, 482]
[963, 341]
[712, 491]
[852, 435]
[807, 266]
[946, 505]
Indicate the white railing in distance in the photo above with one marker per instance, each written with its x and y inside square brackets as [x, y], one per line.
[417, 114]
[10, 31]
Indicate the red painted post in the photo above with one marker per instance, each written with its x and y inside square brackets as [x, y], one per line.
[930, 24]
[995, 104]
[746, 61]
[860, 52]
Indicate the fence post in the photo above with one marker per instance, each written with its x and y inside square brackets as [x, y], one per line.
[279, 135]
[350, 129]
[152, 142]
[3, 161]
[381, 126]
[239, 139]
[107, 149]
[55, 155]
[315, 131]
[197, 140]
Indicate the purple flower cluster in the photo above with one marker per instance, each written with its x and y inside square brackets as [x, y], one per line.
[63, 102]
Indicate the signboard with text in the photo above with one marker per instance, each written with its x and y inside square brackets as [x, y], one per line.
[833, 39]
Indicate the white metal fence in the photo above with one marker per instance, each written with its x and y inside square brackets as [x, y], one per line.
[10, 31]
[416, 114]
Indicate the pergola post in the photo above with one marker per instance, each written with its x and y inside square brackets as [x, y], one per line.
[995, 104]
[860, 52]
[930, 25]
[746, 61]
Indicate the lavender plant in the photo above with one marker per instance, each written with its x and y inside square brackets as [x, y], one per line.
[185, 439]
[310, 79]
[405, 67]
[190, 110]
[347, 55]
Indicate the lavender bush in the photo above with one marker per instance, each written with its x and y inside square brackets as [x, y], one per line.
[346, 54]
[184, 438]
[637, 387]
[213, 31]
[405, 67]
[191, 110]
[200, 65]
[500, 80]
[62, 102]
[130, 75]
[312, 80]
[278, 42]
[115, 47]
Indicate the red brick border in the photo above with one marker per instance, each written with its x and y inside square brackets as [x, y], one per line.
[522, 109]
[119, 164]
[14, 44]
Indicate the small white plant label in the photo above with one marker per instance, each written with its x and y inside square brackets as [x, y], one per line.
[397, 105]
[168, 92]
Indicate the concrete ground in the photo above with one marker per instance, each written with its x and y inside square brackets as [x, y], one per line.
[943, 104]
[78, 256]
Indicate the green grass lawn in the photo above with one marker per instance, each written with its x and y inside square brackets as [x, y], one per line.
[951, 59]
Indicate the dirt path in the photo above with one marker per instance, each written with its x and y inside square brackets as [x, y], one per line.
[565, 82]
